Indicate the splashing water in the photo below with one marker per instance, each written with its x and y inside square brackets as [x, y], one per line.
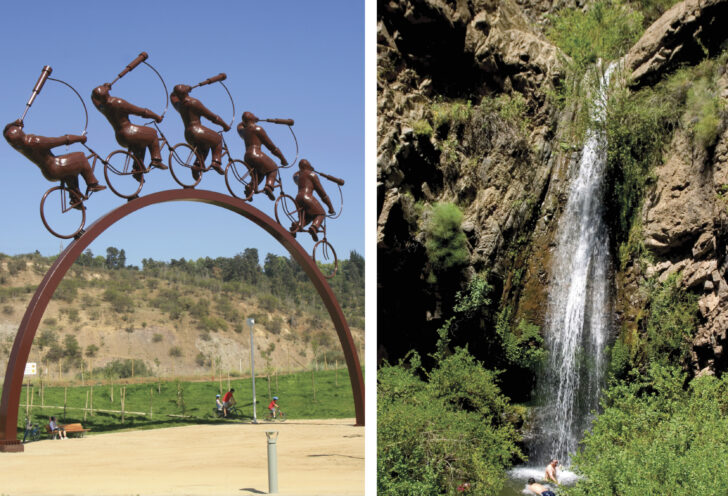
[577, 323]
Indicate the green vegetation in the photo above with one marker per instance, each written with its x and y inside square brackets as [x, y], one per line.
[665, 333]
[522, 345]
[640, 124]
[605, 30]
[657, 437]
[206, 294]
[168, 400]
[434, 434]
[446, 244]
[422, 127]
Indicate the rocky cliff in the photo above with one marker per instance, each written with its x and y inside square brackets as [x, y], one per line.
[466, 116]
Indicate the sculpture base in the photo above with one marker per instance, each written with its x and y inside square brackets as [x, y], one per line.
[11, 447]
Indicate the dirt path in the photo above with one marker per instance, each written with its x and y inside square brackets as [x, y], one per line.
[315, 457]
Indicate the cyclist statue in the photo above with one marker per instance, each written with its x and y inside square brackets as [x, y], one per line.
[64, 168]
[311, 210]
[136, 138]
[255, 136]
[198, 136]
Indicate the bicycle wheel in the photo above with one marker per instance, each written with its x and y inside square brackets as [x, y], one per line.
[240, 180]
[281, 416]
[186, 165]
[330, 263]
[124, 174]
[58, 210]
[285, 208]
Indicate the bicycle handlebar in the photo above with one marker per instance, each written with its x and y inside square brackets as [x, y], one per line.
[132, 65]
[45, 72]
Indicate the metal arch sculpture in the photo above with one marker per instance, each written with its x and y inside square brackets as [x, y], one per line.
[10, 401]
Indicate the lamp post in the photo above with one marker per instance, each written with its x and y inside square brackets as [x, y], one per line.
[251, 321]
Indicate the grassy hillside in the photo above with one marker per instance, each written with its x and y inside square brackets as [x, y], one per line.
[178, 318]
[304, 395]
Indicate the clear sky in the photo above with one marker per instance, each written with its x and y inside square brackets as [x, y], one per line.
[287, 59]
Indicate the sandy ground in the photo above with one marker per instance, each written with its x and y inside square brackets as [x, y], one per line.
[315, 457]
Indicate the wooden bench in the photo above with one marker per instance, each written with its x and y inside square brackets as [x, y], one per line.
[75, 429]
[69, 428]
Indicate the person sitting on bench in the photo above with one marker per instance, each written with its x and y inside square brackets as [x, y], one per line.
[57, 429]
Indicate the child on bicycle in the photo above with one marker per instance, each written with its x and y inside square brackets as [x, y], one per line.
[273, 407]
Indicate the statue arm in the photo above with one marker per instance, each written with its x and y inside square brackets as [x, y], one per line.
[322, 193]
[141, 112]
[209, 115]
[48, 142]
[270, 146]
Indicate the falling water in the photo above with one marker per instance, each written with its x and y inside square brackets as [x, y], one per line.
[578, 316]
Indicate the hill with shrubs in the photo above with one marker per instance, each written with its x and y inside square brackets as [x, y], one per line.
[187, 318]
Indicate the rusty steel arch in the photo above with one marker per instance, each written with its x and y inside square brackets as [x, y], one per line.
[10, 401]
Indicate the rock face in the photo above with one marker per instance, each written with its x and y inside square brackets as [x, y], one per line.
[682, 35]
[505, 176]
[511, 180]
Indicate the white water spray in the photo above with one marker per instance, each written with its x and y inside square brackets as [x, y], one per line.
[577, 323]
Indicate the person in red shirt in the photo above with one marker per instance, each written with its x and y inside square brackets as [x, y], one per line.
[227, 401]
[273, 406]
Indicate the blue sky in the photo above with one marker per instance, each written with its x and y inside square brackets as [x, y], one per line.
[289, 59]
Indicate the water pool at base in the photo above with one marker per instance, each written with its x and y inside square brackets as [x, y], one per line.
[518, 477]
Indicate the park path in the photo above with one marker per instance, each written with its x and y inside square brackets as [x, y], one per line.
[315, 457]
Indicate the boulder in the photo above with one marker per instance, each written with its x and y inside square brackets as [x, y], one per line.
[683, 34]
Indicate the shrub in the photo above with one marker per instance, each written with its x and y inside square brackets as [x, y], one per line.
[655, 434]
[175, 351]
[446, 244]
[119, 301]
[434, 435]
[66, 290]
[16, 265]
[7, 310]
[123, 369]
[91, 350]
[422, 127]
[157, 338]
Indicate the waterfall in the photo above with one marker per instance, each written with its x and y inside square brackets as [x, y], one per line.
[578, 317]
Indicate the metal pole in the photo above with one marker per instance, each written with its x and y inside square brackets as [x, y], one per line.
[272, 462]
[251, 321]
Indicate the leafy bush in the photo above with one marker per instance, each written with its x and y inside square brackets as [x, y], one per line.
[672, 321]
[91, 350]
[122, 369]
[655, 437]
[16, 265]
[523, 346]
[452, 114]
[446, 244]
[67, 290]
[422, 127]
[175, 351]
[433, 435]
[157, 338]
[120, 302]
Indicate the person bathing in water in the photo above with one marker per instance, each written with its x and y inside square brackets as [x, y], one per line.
[551, 471]
[537, 488]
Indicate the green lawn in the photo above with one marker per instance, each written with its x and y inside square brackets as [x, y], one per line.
[295, 392]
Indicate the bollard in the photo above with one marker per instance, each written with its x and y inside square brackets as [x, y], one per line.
[272, 462]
